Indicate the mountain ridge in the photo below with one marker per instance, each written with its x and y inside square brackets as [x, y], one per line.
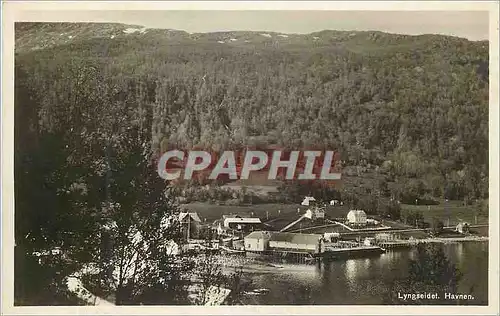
[40, 35]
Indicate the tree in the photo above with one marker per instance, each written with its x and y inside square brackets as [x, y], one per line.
[437, 226]
[415, 219]
[429, 272]
[391, 209]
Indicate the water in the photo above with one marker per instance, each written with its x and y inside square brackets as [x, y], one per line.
[366, 280]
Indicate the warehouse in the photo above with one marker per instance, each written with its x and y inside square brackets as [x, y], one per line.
[261, 241]
[295, 242]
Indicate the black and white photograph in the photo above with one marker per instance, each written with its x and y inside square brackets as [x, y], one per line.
[246, 157]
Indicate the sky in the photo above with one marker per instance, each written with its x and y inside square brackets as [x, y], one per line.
[473, 25]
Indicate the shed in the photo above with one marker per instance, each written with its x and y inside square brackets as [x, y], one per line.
[334, 202]
[331, 237]
[384, 237]
[462, 228]
[369, 241]
[315, 213]
[307, 200]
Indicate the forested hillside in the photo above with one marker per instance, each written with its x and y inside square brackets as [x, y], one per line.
[412, 109]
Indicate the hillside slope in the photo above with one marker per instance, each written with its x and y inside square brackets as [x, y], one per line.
[410, 109]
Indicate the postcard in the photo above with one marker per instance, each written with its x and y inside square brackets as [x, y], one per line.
[250, 158]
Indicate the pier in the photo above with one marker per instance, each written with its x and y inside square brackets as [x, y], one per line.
[280, 255]
[413, 242]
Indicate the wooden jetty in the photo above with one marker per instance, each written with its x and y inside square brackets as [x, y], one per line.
[394, 244]
[352, 252]
[306, 257]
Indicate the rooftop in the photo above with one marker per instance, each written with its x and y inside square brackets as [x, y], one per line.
[357, 212]
[253, 220]
[296, 238]
[259, 235]
[193, 216]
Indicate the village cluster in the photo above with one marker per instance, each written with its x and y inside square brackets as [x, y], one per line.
[306, 236]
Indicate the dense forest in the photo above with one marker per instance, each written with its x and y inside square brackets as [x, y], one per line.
[415, 108]
[95, 101]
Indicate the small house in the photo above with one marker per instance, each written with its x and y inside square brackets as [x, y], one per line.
[315, 213]
[462, 228]
[372, 221]
[356, 217]
[331, 237]
[308, 200]
[334, 202]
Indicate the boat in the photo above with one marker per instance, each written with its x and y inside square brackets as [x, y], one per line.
[261, 291]
[273, 266]
[354, 252]
[258, 292]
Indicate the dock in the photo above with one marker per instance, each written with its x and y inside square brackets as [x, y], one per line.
[309, 256]
[394, 244]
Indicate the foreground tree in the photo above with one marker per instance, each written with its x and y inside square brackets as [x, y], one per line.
[429, 272]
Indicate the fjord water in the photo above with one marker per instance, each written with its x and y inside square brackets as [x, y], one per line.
[367, 280]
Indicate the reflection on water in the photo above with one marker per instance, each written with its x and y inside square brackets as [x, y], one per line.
[357, 268]
[366, 280]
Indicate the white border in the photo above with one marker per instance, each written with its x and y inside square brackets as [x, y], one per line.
[10, 13]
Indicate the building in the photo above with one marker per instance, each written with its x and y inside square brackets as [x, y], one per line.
[315, 213]
[261, 241]
[190, 224]
[331, 237]
[384, 237]
[372, 221]
[356, 217]
[295, 242]
[369, 241]
[257, 241]
[462, 228]
[308, 200]
[242, 223]
[334, 202]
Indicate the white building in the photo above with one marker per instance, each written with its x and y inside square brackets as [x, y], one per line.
[369, 241]
[239, 222]
[462, 228]
[315, 213]
[384, 237]
[334, 202]
[357, 217]
[257, 241]
[372, 221]
[331, 237]
[307, 201]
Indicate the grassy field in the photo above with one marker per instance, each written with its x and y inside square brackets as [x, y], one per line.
[452, 211]
[277, 214]
[210, 212]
